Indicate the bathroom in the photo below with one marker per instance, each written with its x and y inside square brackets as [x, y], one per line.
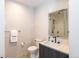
[29, 20]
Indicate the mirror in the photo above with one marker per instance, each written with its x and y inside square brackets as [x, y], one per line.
[58, 23]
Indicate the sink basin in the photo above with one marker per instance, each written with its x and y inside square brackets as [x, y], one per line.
[62, 47]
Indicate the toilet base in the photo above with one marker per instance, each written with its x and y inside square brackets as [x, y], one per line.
[34, 55]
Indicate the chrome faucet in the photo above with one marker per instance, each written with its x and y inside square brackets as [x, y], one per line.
[55, 39]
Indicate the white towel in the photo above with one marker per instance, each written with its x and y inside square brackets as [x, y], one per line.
[14, 35]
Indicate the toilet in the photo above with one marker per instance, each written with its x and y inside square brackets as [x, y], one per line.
[34, 50]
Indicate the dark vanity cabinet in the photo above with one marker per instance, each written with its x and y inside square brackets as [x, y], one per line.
[46, 52]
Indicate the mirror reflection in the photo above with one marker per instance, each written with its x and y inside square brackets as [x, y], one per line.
[58, 23]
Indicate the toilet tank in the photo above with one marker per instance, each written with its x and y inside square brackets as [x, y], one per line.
[37, 41]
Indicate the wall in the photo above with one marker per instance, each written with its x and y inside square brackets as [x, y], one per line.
[18, 17]
[74, 28]
[41, 19]
[2, 24]
[41, 23]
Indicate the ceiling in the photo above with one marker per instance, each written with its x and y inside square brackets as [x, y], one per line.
[31, 3]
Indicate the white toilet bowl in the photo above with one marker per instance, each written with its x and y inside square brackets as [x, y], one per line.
[33, 51]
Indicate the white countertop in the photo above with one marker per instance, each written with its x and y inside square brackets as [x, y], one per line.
[62, 47]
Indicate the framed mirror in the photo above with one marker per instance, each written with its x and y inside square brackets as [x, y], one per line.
[58, 23]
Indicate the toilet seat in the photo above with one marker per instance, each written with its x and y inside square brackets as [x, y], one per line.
[32, 48]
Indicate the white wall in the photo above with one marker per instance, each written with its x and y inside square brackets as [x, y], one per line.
[41, 23]
[74, 28]
[2, 23]
[19, 17]
[54, 5]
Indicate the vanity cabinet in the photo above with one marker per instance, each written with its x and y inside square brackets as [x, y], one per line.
[46, 52]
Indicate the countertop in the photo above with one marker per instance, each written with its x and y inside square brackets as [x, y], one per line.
[62, 47]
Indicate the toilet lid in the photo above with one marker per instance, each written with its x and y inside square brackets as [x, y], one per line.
[38, 40]
[32, 48]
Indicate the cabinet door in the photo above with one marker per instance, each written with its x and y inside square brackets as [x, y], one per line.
[41, 51]
[45, 52]
[56, 54]
[61, 55]
[51, 53]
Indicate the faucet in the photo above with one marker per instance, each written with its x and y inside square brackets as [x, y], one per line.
[55, 39]
[58, 42]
